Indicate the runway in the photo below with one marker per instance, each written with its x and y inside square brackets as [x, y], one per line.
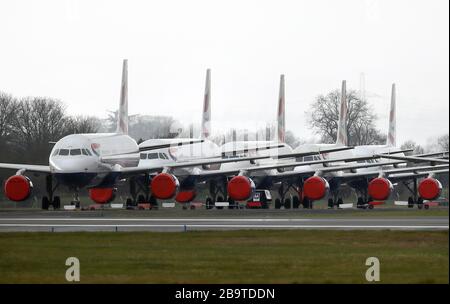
[68, 223]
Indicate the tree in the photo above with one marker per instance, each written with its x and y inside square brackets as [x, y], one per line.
[292, 140]
[324, 115]
[443, 142]
[410, 144]
[37, 121]
[82, 124]
[7, 107]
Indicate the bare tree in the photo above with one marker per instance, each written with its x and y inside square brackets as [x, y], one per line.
[324, 115]
[82, 124]
[37, 121]
[443, 142]
[410, 144]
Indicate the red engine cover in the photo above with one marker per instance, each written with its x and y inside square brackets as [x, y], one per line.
[315, 188]
[240, 188]
[430, 188]
[185, 196]
[18, 188]
[101, 195]
[379, 189]
[164, 186]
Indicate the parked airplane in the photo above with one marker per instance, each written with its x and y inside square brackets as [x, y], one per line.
[96, 161]
[184, 181]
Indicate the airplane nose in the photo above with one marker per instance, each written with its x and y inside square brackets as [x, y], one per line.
[73, 165]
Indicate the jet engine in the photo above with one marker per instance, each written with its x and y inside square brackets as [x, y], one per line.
[164, 186]
[185, 196]
[380, 188]
[430, 188]
[315, 188]
[102, 195]
[18, 188]
[240, 188]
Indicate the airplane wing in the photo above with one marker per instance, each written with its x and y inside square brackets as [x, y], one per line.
[26, 167]
[152, 169]
[415, 158]
[390, 172]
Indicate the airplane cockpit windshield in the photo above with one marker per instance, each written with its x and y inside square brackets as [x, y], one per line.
[72, 152]
[154, 156]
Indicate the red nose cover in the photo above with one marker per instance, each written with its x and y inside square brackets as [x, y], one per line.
[185, 196]
[430, 188]
[164, 186]
[239, 188]
[17, 188]
[379, 189]
[101, 195]
[315, 188]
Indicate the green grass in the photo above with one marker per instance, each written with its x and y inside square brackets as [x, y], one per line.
[226, 257]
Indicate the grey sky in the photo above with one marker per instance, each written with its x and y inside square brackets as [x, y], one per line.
[72, 50]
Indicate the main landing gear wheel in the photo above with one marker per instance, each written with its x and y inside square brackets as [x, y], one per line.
[56, 202]
[339, 202]
[277, 203]
[330, 203]
[209, 203]
[45, 203]
[360, 202]
[295, 202]
[410, 202]
[420, 203]
[287, 203]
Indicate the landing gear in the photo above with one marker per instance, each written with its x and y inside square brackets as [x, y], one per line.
[330, 203]
[339, 203]
[49, 199]
[360, 203]
[307, 203]
[209, 203]
[56, 202]
[287, 203]
[295, 202]
[45, 203]
[277, 203]
[410, 202]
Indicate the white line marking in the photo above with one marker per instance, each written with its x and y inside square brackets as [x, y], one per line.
[231, 226]
[158, 219]
[229, 219]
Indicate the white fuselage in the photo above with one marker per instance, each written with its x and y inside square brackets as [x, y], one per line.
[241, 145]
[179, 154]
[358, 151]
[83, 159]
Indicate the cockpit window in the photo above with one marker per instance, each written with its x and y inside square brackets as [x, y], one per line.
[307, 158]
[143, 156]
[75, 152]
[64, 152]
[86, 152]
[163, 156]
[153, 156]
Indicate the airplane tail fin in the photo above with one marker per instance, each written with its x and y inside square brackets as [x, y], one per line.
[122, 117]
[206, 117]
[342, 139]
[281, 114]
[392, 133]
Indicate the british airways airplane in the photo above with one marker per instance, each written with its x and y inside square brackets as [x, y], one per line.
[96, 161]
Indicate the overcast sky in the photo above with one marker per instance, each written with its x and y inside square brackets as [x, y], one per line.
[73, 50]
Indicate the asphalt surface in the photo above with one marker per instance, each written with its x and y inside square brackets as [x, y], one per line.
[79, 221]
